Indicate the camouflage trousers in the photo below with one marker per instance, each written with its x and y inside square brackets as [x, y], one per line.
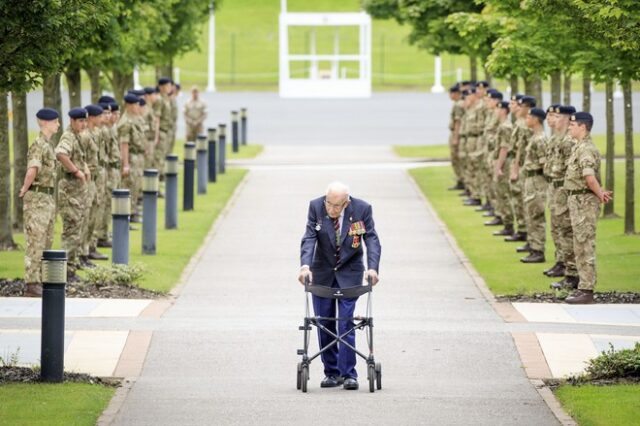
[584, 210]
[171, 140]
[535, 202]
[455, 158]
[502, 204]
[471, 166]
[133, 181]
[39, 217]
[160, 152]
[72, 199]
[488, 186]
[99, 207]
[88, 224]
[112, 182]
[462, 158]
[561, 230]
[517, 203]
[193, 132]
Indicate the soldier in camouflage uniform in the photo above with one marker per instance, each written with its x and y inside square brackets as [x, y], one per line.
[37, 193]
[561, 228]
[552, 141]
[132, 141]
[195, 112]
[535, 187]
[473, 120]
[72, 188]
[173, 98]
[457, 111]
[519, 139]
[165, 123]
[491, 123]
[480, 154]
[502, 165]
[582, 183]
[151, 117]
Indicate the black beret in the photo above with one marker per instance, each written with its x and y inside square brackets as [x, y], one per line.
[472, 89]
[504, 105]
[131, 98]
[137, 92]
[163, 80]
[47, 114]
[495, 95]
[454, 89]
[142, 102]
[552, 108]
[114, 106]
[482, 83]
[150, 90]
[94, 110]
[566, 109]
[106, 99]
[465, 93]
[105, 106]
[516, 97]
[538, 112]
[178, 86]
[582, 117]
[529, 101]
[466, 82]
[77, 113]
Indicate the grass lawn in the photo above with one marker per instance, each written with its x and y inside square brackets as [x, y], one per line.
[497, 261]
[441, 151]
[53, 404]
[591, 405]
[174, 247]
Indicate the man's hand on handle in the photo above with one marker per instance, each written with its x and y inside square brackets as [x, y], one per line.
[304, 274]
[373, 275]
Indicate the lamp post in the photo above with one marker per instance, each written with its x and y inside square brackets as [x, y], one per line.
[120, 214]
[202, 166]
[150, 187]
[171, 195]
[54, 280]
[189, 165]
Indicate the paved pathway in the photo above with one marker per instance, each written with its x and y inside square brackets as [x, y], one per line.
[225, 353]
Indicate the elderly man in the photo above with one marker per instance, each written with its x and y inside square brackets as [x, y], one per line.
[331, 255]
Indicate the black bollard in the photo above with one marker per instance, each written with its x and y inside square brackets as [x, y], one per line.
[212, 166]
[171, 192]
[234, 131]
[120, 214]
[222, 148]
[243, 125]
[189, 165]
[54, 280]
[150, 186]
[202, 163]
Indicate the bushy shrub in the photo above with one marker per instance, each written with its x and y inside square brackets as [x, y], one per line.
[114, 274]
[612, 364]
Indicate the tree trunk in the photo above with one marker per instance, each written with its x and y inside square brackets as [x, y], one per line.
[537, 91]
[629, 199]
[74, 81]
[529, 85]
[473, 67]
[165, 70]
[610, 155]
[556, 87]
[20, 146]
[6, 237]
[513, 82]
[96, 90]
[53, 99]
[586, 92]
[122, 81]
[487, 76]
[567, 88]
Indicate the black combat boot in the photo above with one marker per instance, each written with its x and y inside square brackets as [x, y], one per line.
[457, 187]
[486, 207]
[567, 283]
[535, 256]
[497, 221]
[104, 243]
[508, 230]
[524, 249]
[580, 297]
[556, 270]
[518, 236]
[472, 202]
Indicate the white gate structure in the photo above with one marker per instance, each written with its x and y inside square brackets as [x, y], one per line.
[333, 83]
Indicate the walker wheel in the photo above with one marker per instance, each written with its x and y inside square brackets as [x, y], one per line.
[299, 379]
[379, 375]
[371, 375]
[304, 378]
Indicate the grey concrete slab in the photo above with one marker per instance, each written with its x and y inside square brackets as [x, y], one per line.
[225, 353]
[613, 315]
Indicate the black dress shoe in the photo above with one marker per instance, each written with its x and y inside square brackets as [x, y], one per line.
[535, 256]
[567, 283]
[518, 236]
[524, 249]
[495, 222]
[351, 384]
[331, 382]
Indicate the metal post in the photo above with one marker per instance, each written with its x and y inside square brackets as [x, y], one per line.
[120, 214]
[54, 280]
[150, 187]
[212, 166]
[243, 125]
[171, 192]
[222, 148]
[437, 85]
[211, 69]
[202, 165]
[234, 131]
[189, 165]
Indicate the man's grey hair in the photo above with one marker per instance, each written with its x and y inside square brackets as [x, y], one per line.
[338, 188]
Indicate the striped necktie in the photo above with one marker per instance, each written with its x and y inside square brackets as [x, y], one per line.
[336, 227]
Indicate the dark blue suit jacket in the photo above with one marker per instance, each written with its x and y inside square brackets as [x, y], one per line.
[318, 247]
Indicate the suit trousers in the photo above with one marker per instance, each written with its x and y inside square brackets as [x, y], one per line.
[338, 360]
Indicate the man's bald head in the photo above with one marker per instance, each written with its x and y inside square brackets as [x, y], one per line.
[336, 199]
